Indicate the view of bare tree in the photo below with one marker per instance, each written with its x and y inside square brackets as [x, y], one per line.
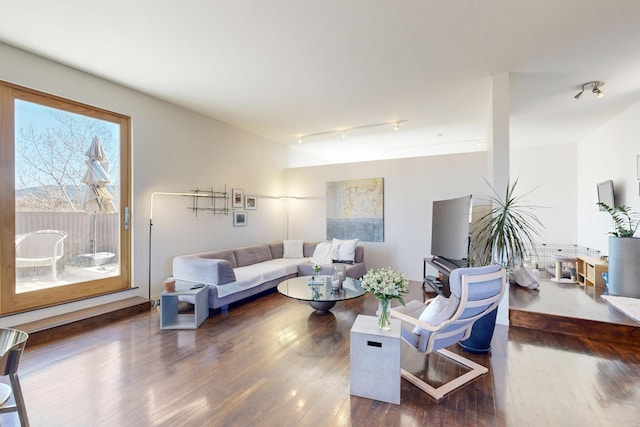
[51, 161]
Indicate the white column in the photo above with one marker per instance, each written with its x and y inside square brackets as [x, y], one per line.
[498, 155]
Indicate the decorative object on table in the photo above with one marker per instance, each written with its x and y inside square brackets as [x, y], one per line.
[316, 269]
[250, 203]
[385, 284]
[169, 284]
[239, 218]
[316, 281]
[356, 205]
[339, 274]
[624, 252]
[237, 198]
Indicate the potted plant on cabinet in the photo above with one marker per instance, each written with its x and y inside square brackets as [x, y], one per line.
[504, 235]
[624, 252]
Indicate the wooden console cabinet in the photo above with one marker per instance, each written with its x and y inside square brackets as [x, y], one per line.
[590, 269]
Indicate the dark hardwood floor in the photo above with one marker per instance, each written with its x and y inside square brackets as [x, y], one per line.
[273, 361]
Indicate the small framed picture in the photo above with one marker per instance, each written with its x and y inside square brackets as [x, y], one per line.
[239, 218]
[251, 202]
[237, 197]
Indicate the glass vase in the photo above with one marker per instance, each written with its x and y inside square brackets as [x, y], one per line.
[384, 315]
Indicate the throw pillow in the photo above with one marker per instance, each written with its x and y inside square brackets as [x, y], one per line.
[292, 249]
[344, 250]
[438, 310]
[322, 254]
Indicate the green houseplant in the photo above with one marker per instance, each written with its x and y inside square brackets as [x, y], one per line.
[503, 235]
[626, 222]
[624, 252]
[506, 232]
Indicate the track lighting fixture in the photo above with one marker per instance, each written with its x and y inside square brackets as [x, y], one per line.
[343, 132]
[594, 86]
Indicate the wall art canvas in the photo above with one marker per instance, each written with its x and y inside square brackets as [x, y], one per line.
[355, 209]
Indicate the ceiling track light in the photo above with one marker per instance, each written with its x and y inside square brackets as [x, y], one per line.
[343, 132]
[593, 86]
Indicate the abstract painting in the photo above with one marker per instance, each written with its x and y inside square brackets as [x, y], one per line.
[355, 209]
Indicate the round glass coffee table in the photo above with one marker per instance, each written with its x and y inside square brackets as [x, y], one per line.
[320, 296]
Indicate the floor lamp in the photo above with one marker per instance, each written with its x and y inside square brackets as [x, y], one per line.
[286, 198]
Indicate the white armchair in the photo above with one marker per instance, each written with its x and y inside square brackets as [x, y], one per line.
[42, 248]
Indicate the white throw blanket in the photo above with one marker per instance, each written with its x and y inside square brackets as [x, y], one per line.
[256, 274]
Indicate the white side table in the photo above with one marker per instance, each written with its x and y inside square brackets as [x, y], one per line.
[171, 319]
[375, 360]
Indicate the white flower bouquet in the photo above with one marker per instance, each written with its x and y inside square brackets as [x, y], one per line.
[385, 284]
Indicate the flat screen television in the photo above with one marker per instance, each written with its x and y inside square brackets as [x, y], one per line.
[450, 228]
[606, 195]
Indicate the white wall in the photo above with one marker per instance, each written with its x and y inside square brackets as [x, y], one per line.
[609, 153]
[410, 187]
[172, 150]
[549, 173]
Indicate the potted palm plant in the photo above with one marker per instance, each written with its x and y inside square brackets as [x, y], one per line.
[624, 252]
[506, 232]
[504, 235]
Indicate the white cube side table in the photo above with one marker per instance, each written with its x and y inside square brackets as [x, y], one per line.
[375, 360]
[171, 319]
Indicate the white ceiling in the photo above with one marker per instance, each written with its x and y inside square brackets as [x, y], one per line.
[285, 68]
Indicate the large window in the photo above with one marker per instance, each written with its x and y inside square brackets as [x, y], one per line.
[64, 200]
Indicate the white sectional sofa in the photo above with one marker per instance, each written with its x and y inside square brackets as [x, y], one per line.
[235, 274]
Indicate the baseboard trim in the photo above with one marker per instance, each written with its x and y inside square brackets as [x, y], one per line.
[63, 325]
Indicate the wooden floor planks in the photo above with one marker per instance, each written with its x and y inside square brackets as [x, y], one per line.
[274, 362]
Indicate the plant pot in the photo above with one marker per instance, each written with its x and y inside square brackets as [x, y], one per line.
[481, 334]
[624, 266]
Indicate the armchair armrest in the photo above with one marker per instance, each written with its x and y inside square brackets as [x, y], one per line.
[414, 307]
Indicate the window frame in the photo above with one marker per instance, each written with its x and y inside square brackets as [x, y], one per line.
[10, 301]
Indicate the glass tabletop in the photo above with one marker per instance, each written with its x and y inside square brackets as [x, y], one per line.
[301, 288]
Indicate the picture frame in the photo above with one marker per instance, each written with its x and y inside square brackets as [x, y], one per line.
[239, 218]
[251, 202]
[237, 198]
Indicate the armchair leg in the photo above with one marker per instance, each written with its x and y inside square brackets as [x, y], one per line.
[439, 392]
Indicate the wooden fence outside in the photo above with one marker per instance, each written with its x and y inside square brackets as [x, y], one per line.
[79, 226]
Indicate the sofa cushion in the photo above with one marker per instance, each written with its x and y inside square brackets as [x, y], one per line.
[359, 255]
[292, 249]
[344, 250]
[308, 248]
[277, 250]
[252, 254]
[437, 311]
[226, 254]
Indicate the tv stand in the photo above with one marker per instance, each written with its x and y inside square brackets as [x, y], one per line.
[440, 284]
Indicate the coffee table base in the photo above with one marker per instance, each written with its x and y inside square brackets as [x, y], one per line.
[322, 306]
